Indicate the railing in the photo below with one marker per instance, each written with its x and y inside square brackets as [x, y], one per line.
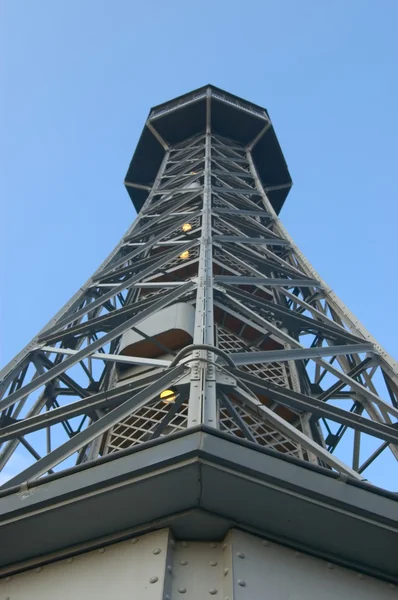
[174, 105]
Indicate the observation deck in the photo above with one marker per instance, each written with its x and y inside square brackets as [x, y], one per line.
[230, 116]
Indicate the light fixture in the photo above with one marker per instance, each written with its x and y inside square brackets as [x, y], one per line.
[168, 396]
[193, 172]
[184, 255]
[186, 227]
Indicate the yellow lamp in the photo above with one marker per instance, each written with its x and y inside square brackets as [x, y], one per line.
[186, 227]
[168, 396]
[184, 255]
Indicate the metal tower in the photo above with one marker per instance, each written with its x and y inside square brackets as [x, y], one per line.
[205, 392]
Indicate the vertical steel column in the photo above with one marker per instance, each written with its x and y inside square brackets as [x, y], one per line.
[202, 400]
[210, 399]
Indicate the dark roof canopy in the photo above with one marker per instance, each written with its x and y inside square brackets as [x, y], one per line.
[231, 117]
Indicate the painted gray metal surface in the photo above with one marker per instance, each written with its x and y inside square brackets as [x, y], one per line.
[133, 569]
[157, 566]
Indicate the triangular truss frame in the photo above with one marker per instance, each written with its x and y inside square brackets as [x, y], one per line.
[276, 358]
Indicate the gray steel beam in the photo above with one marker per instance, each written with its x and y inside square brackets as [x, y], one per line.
[269, 356]
[232, 239]
[266, 281]
[118, 358]
[236, 417]
[261, 214]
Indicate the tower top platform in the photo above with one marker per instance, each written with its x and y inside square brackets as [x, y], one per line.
[229, 116]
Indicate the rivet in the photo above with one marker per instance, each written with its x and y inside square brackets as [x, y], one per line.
[240, 555]
[213, 545]
[360, 575]
[167, 597]
[153, 579]
[183, 563]
[182, 590]
[330, 566]
[213, 563]
[213, 591]
[70, 560]
[224, 546]
[242, 582]
[298, 554]
[157, 551]
[8, 578]
[38, 569]
[226, 571]
[184, 544]
[101, 550]
[134, 540]
[169, 569]
[265, 543]
[172, 543]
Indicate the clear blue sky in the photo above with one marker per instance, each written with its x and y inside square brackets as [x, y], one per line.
[78, 79]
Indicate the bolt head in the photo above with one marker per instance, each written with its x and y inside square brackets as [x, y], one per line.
[240, 555]
[242, 582]
[183, 563]
[157, 551]
[213, 563]
[213, 591]
[153, 579]
[182, 590]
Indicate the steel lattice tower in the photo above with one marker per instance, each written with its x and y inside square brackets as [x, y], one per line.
[204, 349]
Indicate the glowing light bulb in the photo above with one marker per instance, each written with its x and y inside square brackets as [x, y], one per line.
[184, 255]
[186, 227]
[168, 396]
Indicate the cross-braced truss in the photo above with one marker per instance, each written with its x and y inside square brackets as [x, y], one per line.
[274, 357]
